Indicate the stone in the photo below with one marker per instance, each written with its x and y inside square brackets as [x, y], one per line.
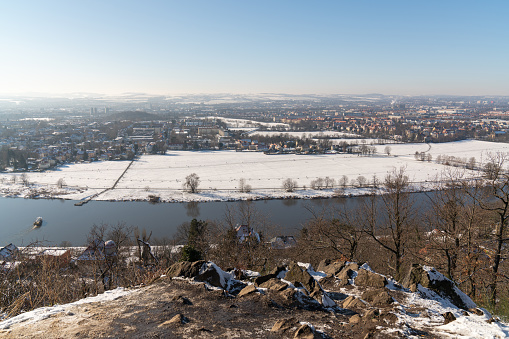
[212, 276]
[300, 277]
[491, 320]
[372, 314]
[378, 298]
[305, 332]
[343, 276]
[249, 289]
[354, 319]
[182, 300]
[274, 284]
[353, 302]
[448, 317]
[329, 266]
[476, 311]
[370, 279]
[439, 284]
[389, 317]
[179, 319]
[284, 325]
[263, 278]
[186, 269]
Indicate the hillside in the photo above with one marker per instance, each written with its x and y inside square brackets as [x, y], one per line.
[339, 300]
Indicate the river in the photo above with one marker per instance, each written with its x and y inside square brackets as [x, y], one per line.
[62, 221]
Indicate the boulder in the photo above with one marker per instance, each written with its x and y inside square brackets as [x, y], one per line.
[448, 317]
[343, 276]
[377, 298]
[353, 302]
[329, 266]
[476, 311]
[305, 332]
[300, 277]
[354, 319]
[274, 285]
[185, 269]
[284, 325]
[249, 289]
[263, 278]
[431, 279]
[370, 279]
[213, 275]
[179, 319]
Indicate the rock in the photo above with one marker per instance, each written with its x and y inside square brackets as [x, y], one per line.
[343, 276]
[465, 313]
[278, 269]
[448, 317]
[492, 320]
[354, 319]
[186, 269]
[249, 289]
[284, 325]
[305, 332]
[378, 298]
[437, 282]
[389, 317]
[372, 314]
[213, 275]
[329, 266]
[176, 320]
[370, 279]
[476, 311]
[353, 302]
[274, 284]
[182, 300]
[300, 277]
[263, 278]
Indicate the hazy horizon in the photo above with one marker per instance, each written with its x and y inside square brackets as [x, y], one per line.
[230, 47]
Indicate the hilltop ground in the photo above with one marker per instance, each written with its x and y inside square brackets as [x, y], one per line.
[203, 301]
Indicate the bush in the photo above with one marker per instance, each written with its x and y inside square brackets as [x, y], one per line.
[189, 253]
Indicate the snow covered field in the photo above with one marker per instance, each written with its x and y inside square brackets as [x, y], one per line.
[220, 172]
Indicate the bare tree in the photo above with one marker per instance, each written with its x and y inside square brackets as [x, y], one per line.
[390, 227]
[317, 184]
[388, 150]
[60, 183]
[343, 182]
[496, 200]
[329, 182]
[244, 187]
[361, 181]
[289, 185]
[24, 179]
[192, 182]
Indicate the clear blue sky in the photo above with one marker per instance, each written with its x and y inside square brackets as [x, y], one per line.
[169, 47]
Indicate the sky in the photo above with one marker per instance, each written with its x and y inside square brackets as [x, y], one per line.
[296, 47]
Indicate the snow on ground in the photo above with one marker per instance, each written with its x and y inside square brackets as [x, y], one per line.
[46, 312]
[243, 123]
[310, 134]
[220, 172]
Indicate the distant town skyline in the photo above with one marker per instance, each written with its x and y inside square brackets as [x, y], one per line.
[294, 47]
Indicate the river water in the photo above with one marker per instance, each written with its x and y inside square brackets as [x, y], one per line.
[62, 221]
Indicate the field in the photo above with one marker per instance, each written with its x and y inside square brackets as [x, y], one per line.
[220, 172]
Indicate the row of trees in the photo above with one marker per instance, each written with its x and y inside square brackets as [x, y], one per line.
[462, 228]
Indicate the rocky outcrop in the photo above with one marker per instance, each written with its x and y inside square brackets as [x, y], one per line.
[431, 279]
[185, 269]
[367, 278]
[330, 266]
